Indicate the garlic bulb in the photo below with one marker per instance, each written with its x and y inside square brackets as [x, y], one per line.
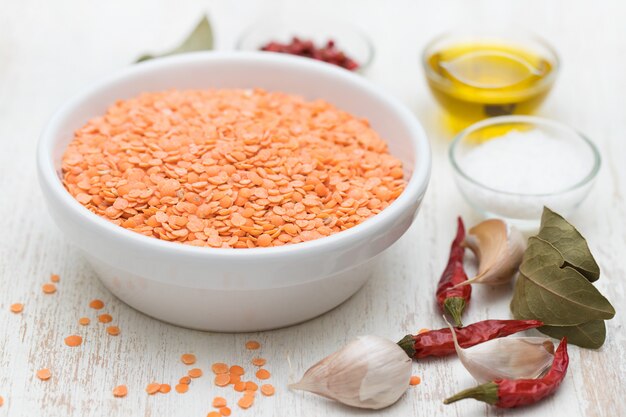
[506, 358]
[499, 248]
[369, 372]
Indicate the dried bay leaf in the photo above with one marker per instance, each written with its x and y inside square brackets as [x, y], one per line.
[555, 285]
[559, 296]
[568, 241]
[590, 335]
[201, 39]
[519, 303]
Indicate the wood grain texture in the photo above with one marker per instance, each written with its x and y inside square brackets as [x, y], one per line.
[50, 50]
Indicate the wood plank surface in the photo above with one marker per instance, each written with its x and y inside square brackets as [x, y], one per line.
[50, 50]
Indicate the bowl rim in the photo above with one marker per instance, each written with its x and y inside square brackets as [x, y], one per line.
[414, 190]
[367, 40]
[491, 34]
[534, 120]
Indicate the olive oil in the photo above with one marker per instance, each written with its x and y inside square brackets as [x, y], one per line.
[476, 80]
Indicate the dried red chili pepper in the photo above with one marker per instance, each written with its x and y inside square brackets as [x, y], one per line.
[451, 299]
[440, 342]
[306, 48]
[510, 393]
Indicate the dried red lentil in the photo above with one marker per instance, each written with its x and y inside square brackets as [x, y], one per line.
[120, 391]
[415, 380]
[84, 321]
[44, 374]
[267, 390]
[245, 402]
[252, 345]
[73, 340]
[263, 374]
[49, 288]
[258, 361]
[113, 330]
[219, 402]
[195, 373]
[237, 370]
[231, 168]
[105, 318]
[55, 278]
[153, 388]
[234, 378]
[219, 368]
[221, 380]
[165, 388]
[188, 358]
[17, 308]
[96, 304]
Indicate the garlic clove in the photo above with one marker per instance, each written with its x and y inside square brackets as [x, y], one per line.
[369, 372]
[499, 248]
[506, 358]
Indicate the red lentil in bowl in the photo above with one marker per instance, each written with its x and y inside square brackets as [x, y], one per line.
[275, 286]
[231, 168]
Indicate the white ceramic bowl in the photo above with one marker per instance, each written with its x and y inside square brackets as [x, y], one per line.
[236, 289]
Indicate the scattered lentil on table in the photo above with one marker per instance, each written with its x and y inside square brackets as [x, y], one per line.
[225, 374]
[73, 340]
[105, 318]
[231, 168]
[188, 358]
[221, 380]
[17, 308]
[219, 368]
[153, 388]
[120, 391]
[237, 370]
[252, 345]
[258, 361]
[49, 288]
[267, 390]
[262, 374]
[219, 402]
[113, 330]
[44, 374]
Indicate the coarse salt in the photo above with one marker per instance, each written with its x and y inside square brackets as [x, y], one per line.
[529, 162]
[522, 171]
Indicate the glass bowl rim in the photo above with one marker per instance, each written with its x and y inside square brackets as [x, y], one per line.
[360, 33]
[534, 120]
[525, 35]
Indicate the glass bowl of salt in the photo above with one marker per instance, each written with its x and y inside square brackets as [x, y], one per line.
[510, 167]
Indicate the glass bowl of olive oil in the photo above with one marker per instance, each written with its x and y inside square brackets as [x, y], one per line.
[479, 75]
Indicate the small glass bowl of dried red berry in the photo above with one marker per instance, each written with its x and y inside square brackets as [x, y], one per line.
[332, 41]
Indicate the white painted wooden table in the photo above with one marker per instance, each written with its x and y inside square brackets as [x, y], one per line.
[51, 49]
